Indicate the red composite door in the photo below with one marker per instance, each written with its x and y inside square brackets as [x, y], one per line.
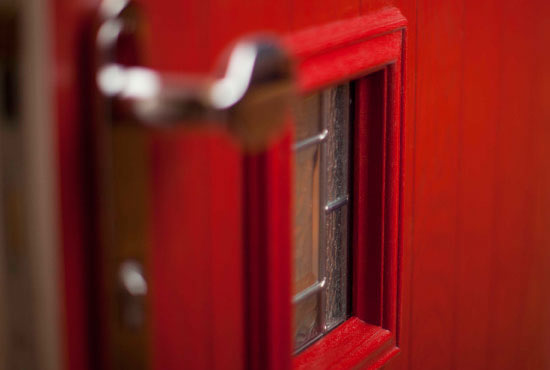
[206, 218]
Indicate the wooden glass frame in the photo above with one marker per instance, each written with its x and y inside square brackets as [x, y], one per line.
[369, 50]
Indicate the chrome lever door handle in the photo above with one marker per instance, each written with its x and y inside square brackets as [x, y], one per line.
[251, 94]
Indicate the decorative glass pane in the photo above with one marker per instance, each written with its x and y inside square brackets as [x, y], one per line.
[306, 320]
[336, 113]
[337, 267]
[306, 220]
[321, 230]
[309, 122]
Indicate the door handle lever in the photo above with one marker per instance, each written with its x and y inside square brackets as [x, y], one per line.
[250, 95]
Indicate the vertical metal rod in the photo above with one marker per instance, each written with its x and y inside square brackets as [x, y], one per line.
[323, 200]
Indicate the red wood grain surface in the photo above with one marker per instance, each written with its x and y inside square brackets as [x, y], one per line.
[355, 344]
[197, 292]
[267, 194]
[476, 260]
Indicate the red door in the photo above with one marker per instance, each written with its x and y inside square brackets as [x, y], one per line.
[449, 255]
